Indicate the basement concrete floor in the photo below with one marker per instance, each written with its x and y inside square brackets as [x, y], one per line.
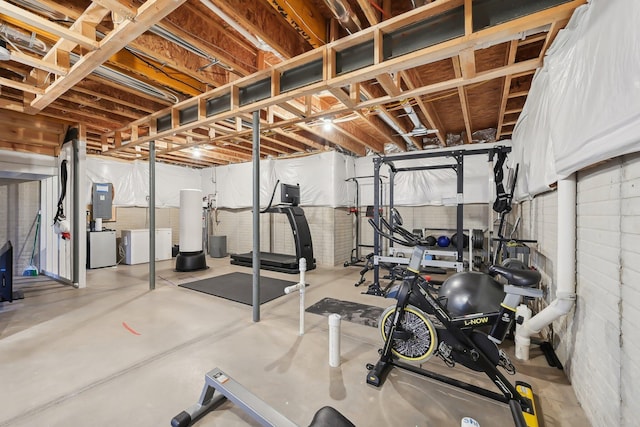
[116, 353]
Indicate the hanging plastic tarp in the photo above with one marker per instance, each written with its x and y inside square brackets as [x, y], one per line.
[433, 187]
[584, 103]
[321, 178]
[131, 181]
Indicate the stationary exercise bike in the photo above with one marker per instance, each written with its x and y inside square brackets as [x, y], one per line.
[450, 323]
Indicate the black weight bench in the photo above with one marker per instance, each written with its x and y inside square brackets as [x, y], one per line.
[228, 388]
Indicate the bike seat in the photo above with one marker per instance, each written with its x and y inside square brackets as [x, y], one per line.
[330, 417]
[516, 276]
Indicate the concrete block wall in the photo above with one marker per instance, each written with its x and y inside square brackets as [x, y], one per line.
[344, 236]
[135, 218]
[19, 205]
[429, 218]
[332, 229]
[538, 221]
[276, 235]
[629, 337]
[598, 341]
[599, 306]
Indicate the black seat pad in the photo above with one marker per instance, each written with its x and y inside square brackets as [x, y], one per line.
[516, 276]
[330, 417]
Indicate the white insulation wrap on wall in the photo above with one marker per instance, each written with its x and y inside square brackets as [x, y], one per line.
[321, 178]
[584, 103]
[190, 220]
[431, 187]
[131, 181]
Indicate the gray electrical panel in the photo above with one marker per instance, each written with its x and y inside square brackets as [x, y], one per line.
[102, 195]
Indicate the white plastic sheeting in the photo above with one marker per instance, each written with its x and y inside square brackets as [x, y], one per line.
[432, 187]
[584, 103]
[321, 178]
[131, 181]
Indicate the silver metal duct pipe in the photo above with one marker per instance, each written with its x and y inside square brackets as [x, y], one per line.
[255, 40]
[125, 80]
[27, 41]
[418, 3]
[169, 36]
[345, 15]
[42, 9]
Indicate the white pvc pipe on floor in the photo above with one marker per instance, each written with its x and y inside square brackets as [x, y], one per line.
[566, 269]
[334, 340]
[300, 286]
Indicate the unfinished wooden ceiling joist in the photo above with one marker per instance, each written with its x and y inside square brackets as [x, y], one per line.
[189, 76]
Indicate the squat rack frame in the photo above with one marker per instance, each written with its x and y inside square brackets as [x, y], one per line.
[456, 155]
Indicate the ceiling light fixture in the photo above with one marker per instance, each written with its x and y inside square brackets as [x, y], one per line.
[5, 55]
[327, 123]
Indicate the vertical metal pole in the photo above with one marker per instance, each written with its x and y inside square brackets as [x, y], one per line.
[79, 207]
[256, 216]
[376, 216]
[152, 215]
[75, 220]
[492, 197]
[357, 214]
[460, 206]
[392, 177]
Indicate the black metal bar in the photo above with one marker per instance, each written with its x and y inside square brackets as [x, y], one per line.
[392, 178]
[460, 207]
[376, 215]
[424, 168]
[152, 215]
[428, 154]
[256, 216]
[452, 381]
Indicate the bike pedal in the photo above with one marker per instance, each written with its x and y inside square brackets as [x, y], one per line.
[506, 364]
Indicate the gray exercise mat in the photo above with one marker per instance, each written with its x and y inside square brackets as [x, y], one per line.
[239, 287]
[354, 312]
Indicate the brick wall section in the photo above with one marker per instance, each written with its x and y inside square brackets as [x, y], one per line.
[433, 219]
[344, 235]
[19, 205]
[135, 218]
[599, 340]
[595, 365]
[630, 293]
[538, 221]
[332, 230]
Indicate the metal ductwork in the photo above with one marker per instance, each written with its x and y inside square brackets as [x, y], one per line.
[345, 15]
[27, 41]
[418, 3]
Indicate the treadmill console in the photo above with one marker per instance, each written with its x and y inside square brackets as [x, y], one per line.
[290, 194]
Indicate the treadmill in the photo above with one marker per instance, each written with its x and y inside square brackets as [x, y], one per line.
[285, 263]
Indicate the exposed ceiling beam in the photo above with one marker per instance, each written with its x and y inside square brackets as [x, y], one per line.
[304, 17]
[257, 17]
[148, 14]
[369, 12]
[511, 57]
[27, 17]
[412, 80]
[464, 105]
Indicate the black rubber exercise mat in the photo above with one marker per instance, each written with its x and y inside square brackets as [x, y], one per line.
[239, 287]
[354, 312]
